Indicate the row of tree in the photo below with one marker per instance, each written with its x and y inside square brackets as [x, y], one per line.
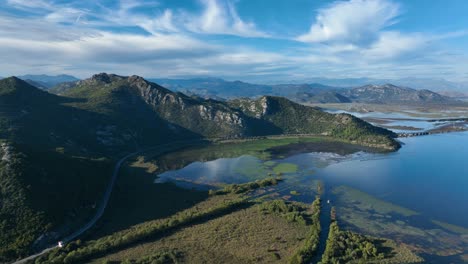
[346, 246]
[245, 187]
[291, 211]
[307, 251]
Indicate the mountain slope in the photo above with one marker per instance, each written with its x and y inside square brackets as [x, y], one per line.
[215, 87]
[50, 171]
[62, 88]
[58, 157]
[293, 118]
[205, 118]
[391, 94]
[322, 98]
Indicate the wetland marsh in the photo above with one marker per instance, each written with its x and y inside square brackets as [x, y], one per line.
[416, 196]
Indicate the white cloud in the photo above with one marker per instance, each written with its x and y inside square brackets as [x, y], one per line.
[222, 18]
[163, 23]
[29, 4]
[41, 46]
[66, 14]
[356, 21]
[393, 44]
[357, 31]
[217, 17]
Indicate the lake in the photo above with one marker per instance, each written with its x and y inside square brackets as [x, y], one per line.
[417, 195]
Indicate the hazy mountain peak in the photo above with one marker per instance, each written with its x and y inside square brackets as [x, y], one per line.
[45, 82]
[14, 83]
[103, 78]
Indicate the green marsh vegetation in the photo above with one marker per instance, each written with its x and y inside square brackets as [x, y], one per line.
[307, 250]
[285, 168]
[346, 247]
[294, 192]
[349, 247]
[293, 212]
[368, 202]
[453, 228]
[364, 213]
[245, 187]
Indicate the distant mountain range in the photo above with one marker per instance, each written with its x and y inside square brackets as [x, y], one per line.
[215, 87]
[47, 81]
[57, 152]
[319, 90]
[434, 84]
[309, 93]
[391, 94]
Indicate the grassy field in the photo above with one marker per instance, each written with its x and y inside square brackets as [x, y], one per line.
[245, 236]
[82, 252]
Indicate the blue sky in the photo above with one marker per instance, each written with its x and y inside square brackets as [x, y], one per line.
[236, 39]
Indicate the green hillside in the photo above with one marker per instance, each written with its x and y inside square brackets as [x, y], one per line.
[293, 118]
[51, 169]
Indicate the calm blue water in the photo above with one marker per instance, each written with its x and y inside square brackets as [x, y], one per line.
[428, 174]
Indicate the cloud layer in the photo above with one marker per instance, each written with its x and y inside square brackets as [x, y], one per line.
[347, 39]
[358, 22]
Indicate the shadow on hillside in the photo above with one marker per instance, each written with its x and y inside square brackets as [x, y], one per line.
[137, 199]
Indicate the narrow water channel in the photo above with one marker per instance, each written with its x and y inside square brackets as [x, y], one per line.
[325, 220]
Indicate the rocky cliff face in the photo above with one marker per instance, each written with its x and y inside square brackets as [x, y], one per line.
[203, 117]
[257, 108]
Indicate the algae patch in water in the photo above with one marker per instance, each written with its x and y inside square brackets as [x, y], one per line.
[285, 168]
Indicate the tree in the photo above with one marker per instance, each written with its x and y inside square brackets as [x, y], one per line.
[333, 214]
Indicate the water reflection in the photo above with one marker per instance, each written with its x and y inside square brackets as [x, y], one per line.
[403, 195]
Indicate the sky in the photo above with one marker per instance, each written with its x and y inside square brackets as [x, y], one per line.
[236, 39]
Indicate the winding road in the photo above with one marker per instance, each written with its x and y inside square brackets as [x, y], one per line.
[96, 217]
